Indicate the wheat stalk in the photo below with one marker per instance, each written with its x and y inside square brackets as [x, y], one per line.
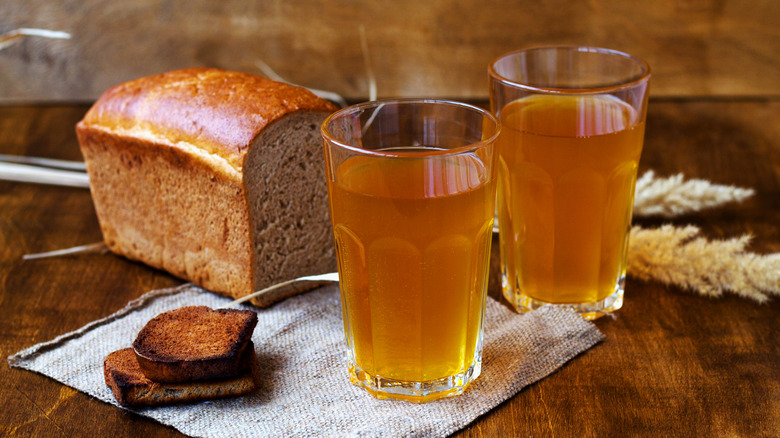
[673, 196]
[91, 248]
[679, 256]
[10, 38]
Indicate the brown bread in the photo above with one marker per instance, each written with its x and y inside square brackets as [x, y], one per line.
[132, 388]
[194, 343]
[214, 176]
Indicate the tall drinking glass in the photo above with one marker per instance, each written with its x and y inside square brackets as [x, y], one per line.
[412, 195]
[573, 122]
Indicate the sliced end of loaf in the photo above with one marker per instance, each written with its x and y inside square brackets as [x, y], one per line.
[291, 230]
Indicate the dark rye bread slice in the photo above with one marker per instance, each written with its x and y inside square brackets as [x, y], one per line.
[132, 388]
[228, 171]
[194, 343]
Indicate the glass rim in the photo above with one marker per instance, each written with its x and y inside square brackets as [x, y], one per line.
[553, 90]
[326, 135]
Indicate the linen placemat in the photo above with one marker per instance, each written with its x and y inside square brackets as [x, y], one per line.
[304, 388]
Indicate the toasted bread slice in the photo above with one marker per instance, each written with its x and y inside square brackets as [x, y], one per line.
[194, 343]
[132, 388]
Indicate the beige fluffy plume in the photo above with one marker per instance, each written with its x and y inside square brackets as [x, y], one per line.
[673, 196]
[679, 256]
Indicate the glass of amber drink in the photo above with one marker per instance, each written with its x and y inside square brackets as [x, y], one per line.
[412, 194]
[573, 122]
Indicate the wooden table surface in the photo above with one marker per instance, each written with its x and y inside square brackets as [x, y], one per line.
[672, 364]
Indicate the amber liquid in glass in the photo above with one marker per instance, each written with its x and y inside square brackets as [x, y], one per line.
[567, 176]
[413, 239]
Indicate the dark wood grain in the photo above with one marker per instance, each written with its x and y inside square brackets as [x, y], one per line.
[430, 48]
[672, 364]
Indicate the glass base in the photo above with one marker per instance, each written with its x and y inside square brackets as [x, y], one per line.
[592, 310]
[415, 392]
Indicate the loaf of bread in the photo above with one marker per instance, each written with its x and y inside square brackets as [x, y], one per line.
[214, 176]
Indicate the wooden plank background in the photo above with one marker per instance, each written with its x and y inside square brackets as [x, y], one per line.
[417, 48]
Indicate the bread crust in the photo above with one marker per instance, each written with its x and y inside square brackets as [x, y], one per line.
[170, 210]
[217, 111]
[194, 343]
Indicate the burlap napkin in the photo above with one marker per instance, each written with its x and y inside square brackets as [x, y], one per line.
[305, 390]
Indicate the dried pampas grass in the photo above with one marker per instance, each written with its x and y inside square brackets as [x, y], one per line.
[679, 256]
[673, 196]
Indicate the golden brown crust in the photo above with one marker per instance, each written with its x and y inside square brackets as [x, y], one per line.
[218, 111]
[170, 210]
